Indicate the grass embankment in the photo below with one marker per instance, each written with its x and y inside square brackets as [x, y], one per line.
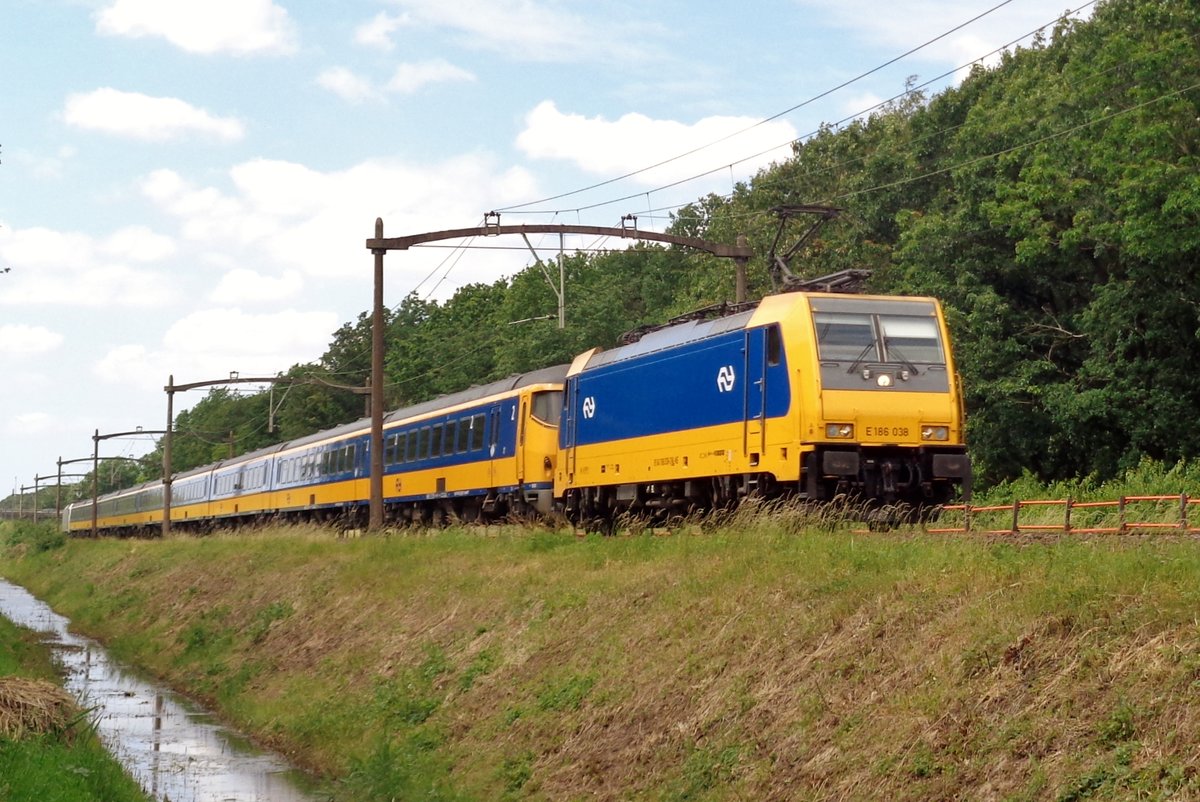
[758, 661]
[48, 751]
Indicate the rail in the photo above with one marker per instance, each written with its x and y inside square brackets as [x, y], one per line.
[1077, 517]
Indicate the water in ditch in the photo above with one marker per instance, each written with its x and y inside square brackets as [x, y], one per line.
[166, 742]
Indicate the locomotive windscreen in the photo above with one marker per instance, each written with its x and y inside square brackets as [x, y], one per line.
[858, 339]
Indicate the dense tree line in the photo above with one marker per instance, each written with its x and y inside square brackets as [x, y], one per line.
[1051, 201]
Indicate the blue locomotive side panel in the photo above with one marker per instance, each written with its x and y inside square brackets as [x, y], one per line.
[710, 382]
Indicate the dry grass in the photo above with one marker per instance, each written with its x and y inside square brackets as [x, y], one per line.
[779, 653]
[35, 707]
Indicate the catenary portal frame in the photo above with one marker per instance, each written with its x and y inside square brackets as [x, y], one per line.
[379, 246]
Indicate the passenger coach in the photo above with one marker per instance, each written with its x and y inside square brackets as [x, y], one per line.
[484, 452]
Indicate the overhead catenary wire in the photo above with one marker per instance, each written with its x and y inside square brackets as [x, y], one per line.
[991, 155]
[856, 115]
[842, 164]
[765, 120]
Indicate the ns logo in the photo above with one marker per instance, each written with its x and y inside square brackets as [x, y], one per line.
[589, 407]
[726, 378]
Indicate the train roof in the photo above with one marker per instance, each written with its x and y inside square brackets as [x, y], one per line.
[552, 375]
[672, 336]
[770, 308]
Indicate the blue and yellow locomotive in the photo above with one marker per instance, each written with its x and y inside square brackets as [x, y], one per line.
[807, 394]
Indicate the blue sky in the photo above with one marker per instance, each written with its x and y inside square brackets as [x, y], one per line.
[185, 187]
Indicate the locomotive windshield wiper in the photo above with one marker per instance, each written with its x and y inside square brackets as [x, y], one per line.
[892, 351]
[862, 357]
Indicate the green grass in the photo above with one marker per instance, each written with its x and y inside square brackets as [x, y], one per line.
[761, 659]
[54, 768]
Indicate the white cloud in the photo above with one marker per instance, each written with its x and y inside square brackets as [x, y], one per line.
[40, 249]
[138, 244]
[213, 342]
[288, 216]
[214, 26]
[241, 285]
[857, 104]
[634, 141]
[410, 78]
[23, 340]
[150, 119]
[29, 423]
[346, 85]
[65, 268]
[42, 165]
[111, 286]
[378, 32]
[901, 26]
[531, 31]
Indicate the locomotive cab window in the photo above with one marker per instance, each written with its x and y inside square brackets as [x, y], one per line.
[842, 336]
[911, 339]
[774, 346]
[548, 407]
[879, 337]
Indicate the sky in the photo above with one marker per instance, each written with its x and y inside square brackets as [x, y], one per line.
[186, 187]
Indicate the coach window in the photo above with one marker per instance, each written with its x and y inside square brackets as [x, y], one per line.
[477, 432]
[435, 441]
[350, 454]
[464, 435]
[547, 406]
[423, 443]
[451, 431]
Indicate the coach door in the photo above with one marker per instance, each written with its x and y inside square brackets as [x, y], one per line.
[493, 444]
[522, 423]
[569, 424]
[760, 349]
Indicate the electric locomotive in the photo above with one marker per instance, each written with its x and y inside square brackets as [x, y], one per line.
[807, 394]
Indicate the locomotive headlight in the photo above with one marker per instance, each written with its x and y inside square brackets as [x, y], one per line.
[839, 431]
[935, 432]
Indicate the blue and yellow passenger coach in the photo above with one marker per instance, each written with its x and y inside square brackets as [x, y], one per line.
[817, 395]
[485, 452]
